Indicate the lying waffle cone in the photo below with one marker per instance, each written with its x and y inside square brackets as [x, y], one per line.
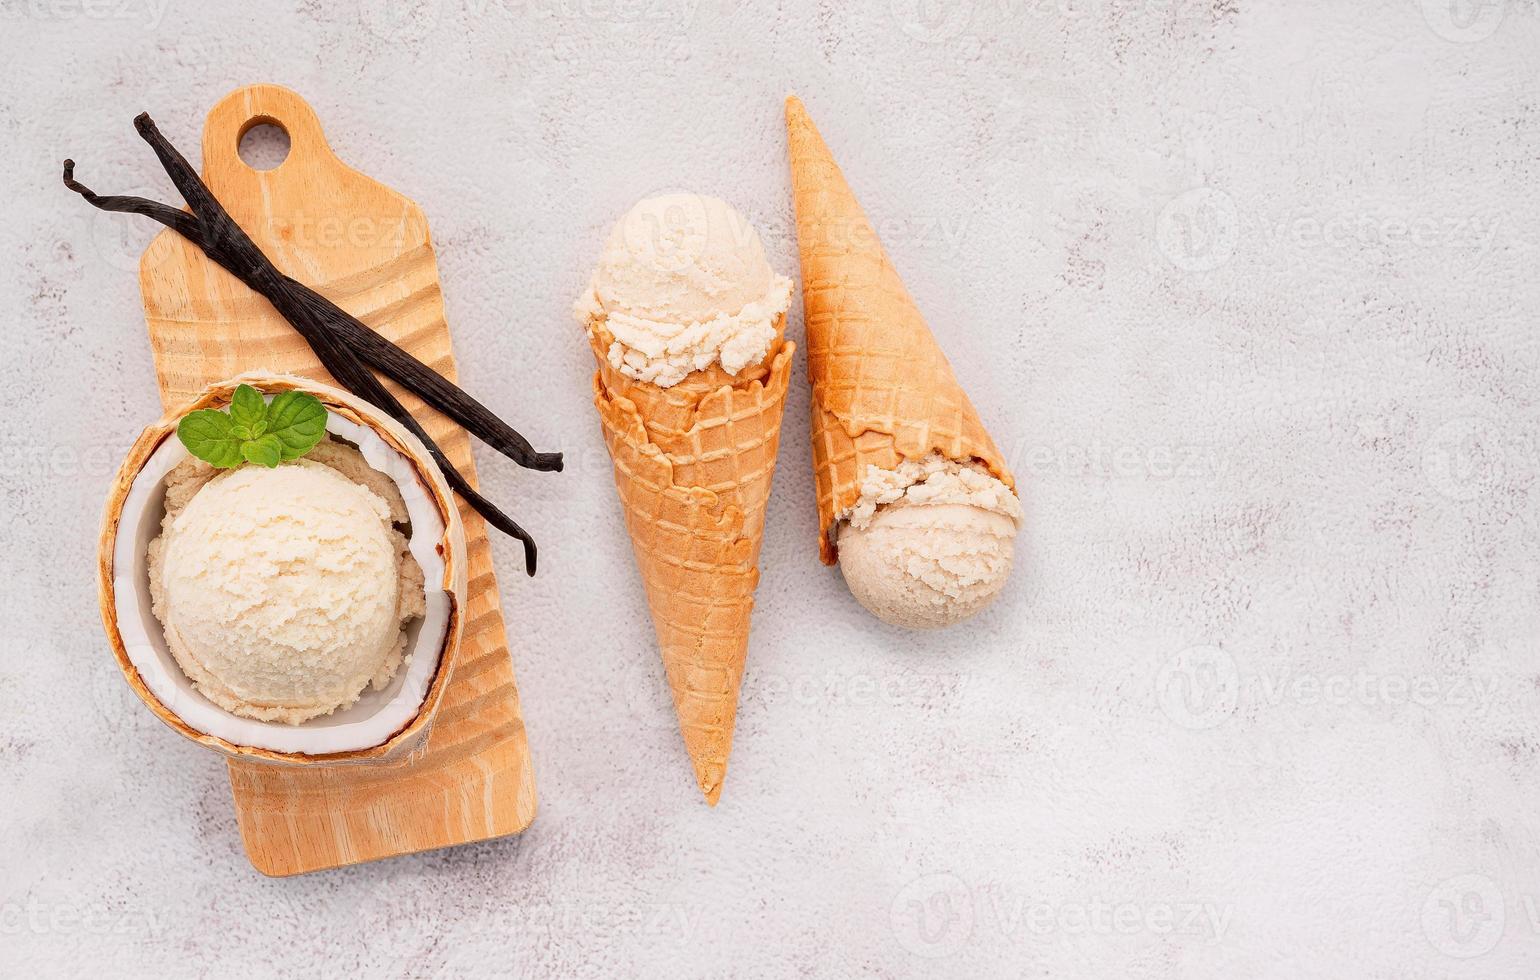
[693, 466]
[883, 391]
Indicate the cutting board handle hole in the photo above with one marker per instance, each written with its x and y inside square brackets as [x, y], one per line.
[263, 143]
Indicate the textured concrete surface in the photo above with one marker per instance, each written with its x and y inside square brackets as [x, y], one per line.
[1247, 292]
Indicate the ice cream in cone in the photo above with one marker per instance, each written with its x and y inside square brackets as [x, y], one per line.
[914, 500]
[687, 323]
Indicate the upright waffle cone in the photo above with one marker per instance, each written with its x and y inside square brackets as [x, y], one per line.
[693, 465]
[883, 391]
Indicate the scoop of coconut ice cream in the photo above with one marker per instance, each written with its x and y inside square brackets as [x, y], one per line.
[924, 566]
[683, 283]
[929, 542]
[281, 590]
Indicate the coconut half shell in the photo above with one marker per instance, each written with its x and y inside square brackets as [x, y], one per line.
[381, 726]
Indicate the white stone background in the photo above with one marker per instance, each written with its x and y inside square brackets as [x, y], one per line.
[1245, 290]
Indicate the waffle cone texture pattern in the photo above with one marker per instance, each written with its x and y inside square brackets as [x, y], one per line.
[693, 467]
[883, 391]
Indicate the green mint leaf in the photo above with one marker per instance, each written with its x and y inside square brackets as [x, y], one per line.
[206, 434]
[248, 410]
[254, 431]
[297, 420]
[266, 451]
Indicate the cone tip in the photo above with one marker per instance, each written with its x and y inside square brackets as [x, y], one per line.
[709, 776]
[795, 110]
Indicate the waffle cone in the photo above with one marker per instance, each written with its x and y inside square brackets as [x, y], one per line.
[883, 391]
[693, 466]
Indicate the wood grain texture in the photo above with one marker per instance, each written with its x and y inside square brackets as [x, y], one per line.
[368, 249]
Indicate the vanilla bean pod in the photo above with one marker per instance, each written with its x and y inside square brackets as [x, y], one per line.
[401, 366]
[180, 222]
[211, 228]
[379, 351]
[383, 354]
[253, 268]
[341, 363]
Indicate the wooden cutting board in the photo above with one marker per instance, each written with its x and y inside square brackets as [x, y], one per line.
[367, 249]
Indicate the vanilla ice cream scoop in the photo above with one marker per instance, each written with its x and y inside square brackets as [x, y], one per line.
[927, 565]
[282, 590]
[682, 284]
[929, 543]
